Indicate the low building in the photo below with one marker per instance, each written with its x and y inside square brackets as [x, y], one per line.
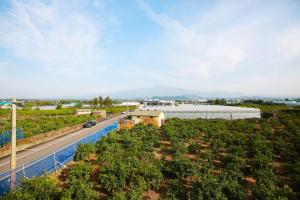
[83, 111]
[158, 102]
[70, 105]
[287, 102]
[130, 103]
[154, 117]
[187, 111]
[86, 106]
[5, 104]
[101, 113]
[233, 101]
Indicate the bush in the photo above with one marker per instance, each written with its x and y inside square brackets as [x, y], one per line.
[194, 148]
[79, 190]
[176, 190]
[180, 167]
[207, 187]
[36, 188]
[81, 171]
[84, 151]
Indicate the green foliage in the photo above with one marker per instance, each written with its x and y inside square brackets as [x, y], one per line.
[34, 122]
[79, 190]
[81, 171]
[233, 188]
[207, 187]
[127, 160]
[176, 190]
[296, 175]
[36, 188]
[194, 148]
[226, 155]
[84, 150]
[180, 167]
[118, 109]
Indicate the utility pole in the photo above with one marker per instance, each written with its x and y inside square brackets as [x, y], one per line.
[127, 106]
[13, 158]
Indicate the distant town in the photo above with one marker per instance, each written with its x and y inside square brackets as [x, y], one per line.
[52, 104]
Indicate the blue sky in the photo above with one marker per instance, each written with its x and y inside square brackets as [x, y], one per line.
[70, 48]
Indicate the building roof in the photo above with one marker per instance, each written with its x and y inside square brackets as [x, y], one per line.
[5, 103]
[158, 100]
[202, 108]
[150, 113]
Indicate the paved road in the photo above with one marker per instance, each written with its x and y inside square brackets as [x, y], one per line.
[41, 150]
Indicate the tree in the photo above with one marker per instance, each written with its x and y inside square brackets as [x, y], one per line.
[79, 190]
[207, 187]
[176, 190]
[100, 101]
[107, 101]
[81, 171]
[36, 188]
[180, 167]
[84, 150]
[95, 102]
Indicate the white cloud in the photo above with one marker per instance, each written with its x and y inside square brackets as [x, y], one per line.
[194, 52]
[290, 43]
[61, 38]
[229, 37]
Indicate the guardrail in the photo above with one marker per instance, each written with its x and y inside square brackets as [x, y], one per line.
[51, 162]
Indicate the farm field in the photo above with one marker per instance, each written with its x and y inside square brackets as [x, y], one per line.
[185, 159]
[34, 122]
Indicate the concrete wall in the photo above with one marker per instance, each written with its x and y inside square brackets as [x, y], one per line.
[155, 121]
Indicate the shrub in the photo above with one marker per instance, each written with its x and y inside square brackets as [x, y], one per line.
[207, 187]
[194, 148]
[79, 190]
[84, 150]
[176, 190]
[81, 171]
[180, 167]
[36, 188]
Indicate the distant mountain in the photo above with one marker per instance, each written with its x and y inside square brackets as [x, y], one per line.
[170, 92]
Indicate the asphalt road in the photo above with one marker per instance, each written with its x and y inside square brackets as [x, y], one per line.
[31, 154]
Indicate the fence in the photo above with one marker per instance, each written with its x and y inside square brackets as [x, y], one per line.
[51, 162]
[5, 136]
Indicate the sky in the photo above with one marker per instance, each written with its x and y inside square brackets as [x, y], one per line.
[71, 48]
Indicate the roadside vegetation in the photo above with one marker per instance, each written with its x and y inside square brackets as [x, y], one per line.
[34, 122]
[185, 159]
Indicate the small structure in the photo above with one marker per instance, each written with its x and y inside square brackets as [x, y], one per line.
[101, 113]
[86, 106]
[83, 112]
[70, 105]
[154, 117]
[190, 111]
[158, 102]
[130, 103]
[5, 104]
[125, 124]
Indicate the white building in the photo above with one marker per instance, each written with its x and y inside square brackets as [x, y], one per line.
[158, 102]
[188, 111]
[83, 111]
[70, 105]
[130, 103]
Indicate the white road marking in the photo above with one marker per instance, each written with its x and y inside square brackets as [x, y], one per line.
[87, 132]
[55, 141]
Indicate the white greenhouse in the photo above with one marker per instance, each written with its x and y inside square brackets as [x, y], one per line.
[207, 111]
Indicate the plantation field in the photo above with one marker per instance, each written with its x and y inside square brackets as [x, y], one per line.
[33, 122]
[185, 159]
